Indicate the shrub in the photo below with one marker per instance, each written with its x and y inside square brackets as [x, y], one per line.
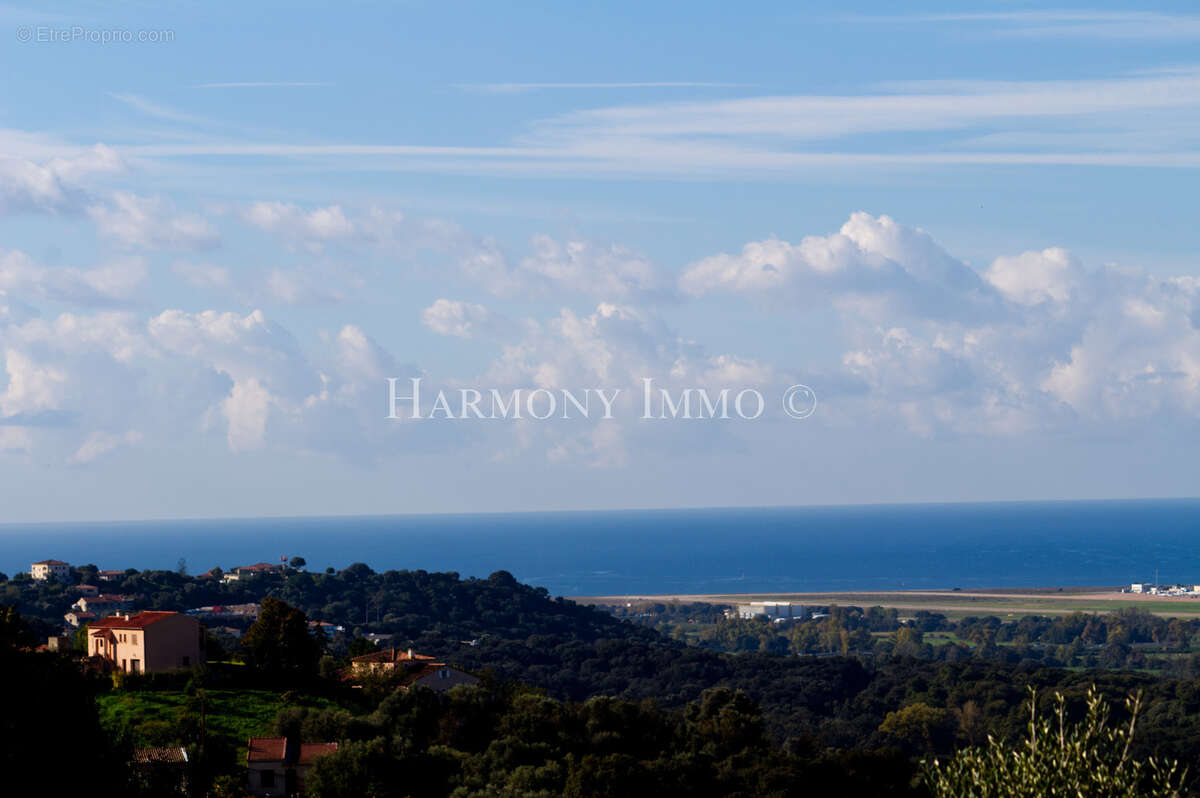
[1084, 760]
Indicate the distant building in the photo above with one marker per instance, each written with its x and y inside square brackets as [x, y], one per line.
[1137, 587]
[227, 611]
[439, 677]
[244, 572]
[87, 590]
[774, 610]
[102, 605]
[110, 576]
[160, 771]
[61, 643]
[77, 618]
[412, 670]
[50, 570]
[279, 765]
[386, 662]
[148, 642]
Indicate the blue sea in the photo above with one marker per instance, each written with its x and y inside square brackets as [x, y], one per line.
[876, 547]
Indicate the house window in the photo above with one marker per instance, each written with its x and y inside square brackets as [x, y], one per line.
[133, 639]
[268, 778]
[135, 666]
[187, 661]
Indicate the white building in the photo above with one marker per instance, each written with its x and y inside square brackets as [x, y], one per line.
[47, 570]
[775, 610]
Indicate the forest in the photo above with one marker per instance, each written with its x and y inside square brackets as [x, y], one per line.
[576, 701]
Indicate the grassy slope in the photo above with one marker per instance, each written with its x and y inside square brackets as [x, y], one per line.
[233, 715]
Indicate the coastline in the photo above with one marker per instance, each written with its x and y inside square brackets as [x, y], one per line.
[956, 603]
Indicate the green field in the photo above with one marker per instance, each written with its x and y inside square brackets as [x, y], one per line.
[153, 717]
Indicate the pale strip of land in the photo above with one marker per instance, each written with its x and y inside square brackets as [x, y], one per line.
[958, 603]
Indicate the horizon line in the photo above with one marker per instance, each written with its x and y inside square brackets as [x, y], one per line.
[613, 510]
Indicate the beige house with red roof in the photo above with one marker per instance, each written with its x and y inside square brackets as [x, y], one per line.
[279, 765]
[386, 662]
[438, 677]
[413, 670]
[148, 642]
[48, 570]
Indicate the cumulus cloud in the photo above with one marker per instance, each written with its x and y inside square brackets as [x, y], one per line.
[55, 185]
[551, 268]
[113, 283]
[462, 319]
[873, 265]
[150, 223]
[79, 386]
[295, 225]
[1035, 341]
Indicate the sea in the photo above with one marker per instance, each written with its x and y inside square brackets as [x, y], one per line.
[638, 552]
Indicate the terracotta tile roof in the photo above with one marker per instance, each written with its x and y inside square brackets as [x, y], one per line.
[52, 562]
[310, 751]
[392, 655]
[281, 749]
[139, 621]
[430, 669]
[164, 754]
[258, 566]
[266, 749]
[116, 572]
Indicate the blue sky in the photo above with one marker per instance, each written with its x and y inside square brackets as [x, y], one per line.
[970, 228]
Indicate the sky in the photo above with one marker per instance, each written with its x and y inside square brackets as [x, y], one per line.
[968, 230]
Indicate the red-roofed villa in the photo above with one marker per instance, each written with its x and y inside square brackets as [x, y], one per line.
[148, 642]
[279, 765]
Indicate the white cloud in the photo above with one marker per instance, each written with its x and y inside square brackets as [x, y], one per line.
[873, 266]
[55, 185]
[150, 223]
[457, 319]
[1033, 277]
[1036, 342]
[113, 283]
[101, 443]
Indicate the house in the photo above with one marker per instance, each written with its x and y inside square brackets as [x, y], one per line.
[244, 572]
[50, 570]
[438, 677]
[60, 643]
[161, 770]
[279, 765]
[226, 611]
[102, 605]
[413, 670]
[110, 576]
[386, 662]
[77, 618]
[87, 590]
[148, 642]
